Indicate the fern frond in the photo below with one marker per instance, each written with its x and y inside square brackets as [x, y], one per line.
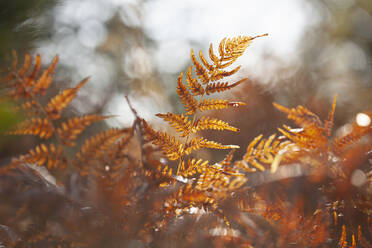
[60, 101]
[193, 84]
[300, 115]
[340, 144]
[208, 104]
[41, 154]
[26, 65]
[310, 138]
[262, 152]
[220, 86]
[199, 143]
[200, 71]
[35, 126]
[181, 123]
[70, 129]
[227, 160]
[186, 98]
[23, 85]
[96, 146]
[211, 123]
[193, 166]
[219, 74]
[171, 146]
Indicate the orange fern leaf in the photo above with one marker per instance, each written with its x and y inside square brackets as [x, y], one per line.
[43, 83]
[219, 87]
[198, 143]
[60, 101]
[300, 115]
[35, 126]
[200, 71]
[195, 87]
[212, 123]
[71, 128]
[186, 98]
[208, 104]
[179, 122]
[52, 156]
[95, 147]
[172, 147]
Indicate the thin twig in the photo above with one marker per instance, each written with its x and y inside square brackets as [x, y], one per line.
[137, 126]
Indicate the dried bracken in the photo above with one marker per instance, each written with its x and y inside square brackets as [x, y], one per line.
[302, 187]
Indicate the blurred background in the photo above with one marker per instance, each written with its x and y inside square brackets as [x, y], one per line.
[315, 49]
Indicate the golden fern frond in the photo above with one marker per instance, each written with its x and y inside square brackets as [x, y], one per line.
[181, 123]
[119, 151]
[310, 138]
[195, 87]
[70, 129]
[193, 166]
[208, 104]
[23, 85]
[35, 126]
[171, 146]
[41, 154]
[96, 146]
[42, 84]
[212, 123]
[187, 99]
[60, 101]
[220, 86]
[229, 51]
[28, 105]
[261, 153]
[300, 115]
[200, 71]
[340, 144]
[26, 65]
[227, 160]
[199, 143]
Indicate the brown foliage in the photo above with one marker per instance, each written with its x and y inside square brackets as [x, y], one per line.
[304, 188]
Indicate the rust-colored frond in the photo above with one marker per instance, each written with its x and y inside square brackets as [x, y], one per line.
[219, 74]
[95, 147]
[199, 143]
[200, 71]
[262, 153]
[26, 65]
[22, 84]
[227, 160]
[181, 123]
[60, 101]
[212, 123]
[311, 138]
[43, 83]
[300, 115]
[220, 87]
[172, 147]
[186, 98]
[208, 104]
[52, 156]
[35, 126]
[70, 129]
[328, 123]
[340, 144]
[193, 84]
[193, 166]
